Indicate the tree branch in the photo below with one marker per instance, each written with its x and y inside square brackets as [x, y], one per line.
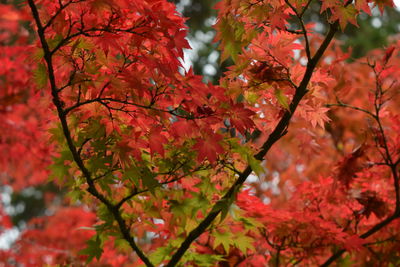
[340, 104]
[371, 231]
[128, 103]
[303, 27]
[125, 231]
[136, 192]
[279, 131]
[378, 102]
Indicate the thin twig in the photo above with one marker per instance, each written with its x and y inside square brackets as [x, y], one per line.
[303, 27]
[125, 230]
[279, 131]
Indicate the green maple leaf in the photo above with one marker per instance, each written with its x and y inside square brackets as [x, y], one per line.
[40, 75]
[93, 249]
[346, 15]
[224, 239]
[244, 243]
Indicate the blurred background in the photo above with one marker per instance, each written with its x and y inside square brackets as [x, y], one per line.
[374, 32]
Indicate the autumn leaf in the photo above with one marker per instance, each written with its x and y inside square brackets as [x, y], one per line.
[372, 204]
[241, 117]
[345, 15]
[107, 141]
[209, 147]
[156, 141]
[350, 165]
[382, 3]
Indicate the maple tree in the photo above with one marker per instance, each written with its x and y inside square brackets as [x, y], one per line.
[154, 162]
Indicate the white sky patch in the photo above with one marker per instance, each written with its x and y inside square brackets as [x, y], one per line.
[209, 70]
[181, 5]
[376, 22]
[397, 4]
[158, 221]
[8, 237]
[252, 178]
[190, 55]
[197, 43]
[213, 57]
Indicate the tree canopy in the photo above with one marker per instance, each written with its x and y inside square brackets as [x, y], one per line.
[289, 157]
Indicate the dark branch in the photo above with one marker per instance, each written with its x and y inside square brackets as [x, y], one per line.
[279, 131]
[378, 102]
[303, 27]
[67, 134]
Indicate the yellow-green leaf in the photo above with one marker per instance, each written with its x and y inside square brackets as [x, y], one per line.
[40, 75]
[255, 165]
[282, 99]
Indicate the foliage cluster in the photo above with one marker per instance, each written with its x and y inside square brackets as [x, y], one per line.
[153, 162]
